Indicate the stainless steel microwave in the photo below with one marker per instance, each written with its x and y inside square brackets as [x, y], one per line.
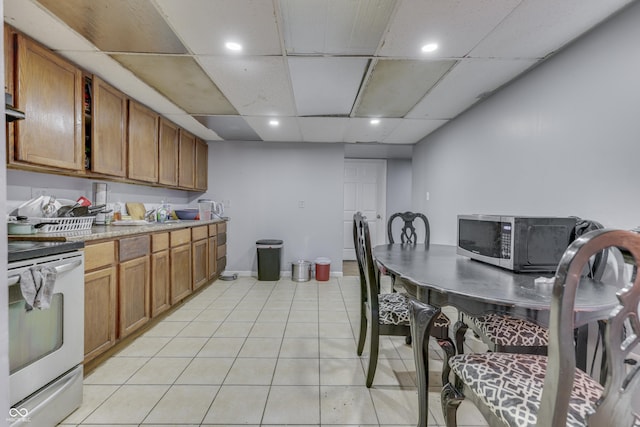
[517, 243]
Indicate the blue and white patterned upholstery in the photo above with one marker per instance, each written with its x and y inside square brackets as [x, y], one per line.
[507, 330]
[511, 386]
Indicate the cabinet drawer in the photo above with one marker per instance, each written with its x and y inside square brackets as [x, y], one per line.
[180, 237]
[199, 233]
[159, 242]
[222, 251]
[213, 229]
[222, 227]
[99, 255]
[134, 247]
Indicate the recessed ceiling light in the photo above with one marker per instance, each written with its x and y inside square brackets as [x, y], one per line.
[375, 121]
[430, 47]
[236, 47]
[274, 122]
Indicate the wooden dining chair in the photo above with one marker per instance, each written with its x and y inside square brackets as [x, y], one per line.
[505, 333]
[385, 313]
[408, 233]
[549, 391]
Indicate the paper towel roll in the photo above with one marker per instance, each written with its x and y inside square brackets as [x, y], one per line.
[100, 198]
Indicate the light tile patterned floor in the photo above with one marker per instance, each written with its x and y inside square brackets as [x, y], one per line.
[256, 353]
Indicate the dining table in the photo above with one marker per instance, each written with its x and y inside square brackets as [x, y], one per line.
[436, 275]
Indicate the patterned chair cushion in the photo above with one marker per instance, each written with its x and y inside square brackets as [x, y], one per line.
[511, 386]
[509, 331]
[393, 309]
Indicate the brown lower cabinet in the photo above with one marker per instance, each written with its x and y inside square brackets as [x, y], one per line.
[134, 283]
[200, 255]
[180, 264]
[160, 274]
[130, 280]
[100, 303]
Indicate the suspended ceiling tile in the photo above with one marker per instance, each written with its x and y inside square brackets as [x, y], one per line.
[412, 131]
[395, 86]
[286, 130]
[326, 86]
[456, 25]
[194, 126]
[256, 86]
[323, 129]
[539, 27]
[341, 27]
[37, 23]
[467, 83]
[229, 128]
[361, 130]
[118, 26]
[180, 79]
[205, 25]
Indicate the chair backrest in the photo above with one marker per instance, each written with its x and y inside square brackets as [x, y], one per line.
[598, 263]
[369, 274]
[408, 232]
[619, 404]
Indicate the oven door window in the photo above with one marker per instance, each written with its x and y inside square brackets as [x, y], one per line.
[33, 334]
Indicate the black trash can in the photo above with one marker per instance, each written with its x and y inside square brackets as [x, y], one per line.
[269, 253]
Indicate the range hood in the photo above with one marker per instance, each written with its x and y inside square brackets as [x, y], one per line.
[11, 113]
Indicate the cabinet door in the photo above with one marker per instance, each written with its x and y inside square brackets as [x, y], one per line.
[142, 141]
[202, 165]
[99, 311]
[49, 91]
[199, 260]
[160, 282]
[134, 294]
[186, 172]
[180, 272]
[168, 153]
[108, 130]
[213, 265]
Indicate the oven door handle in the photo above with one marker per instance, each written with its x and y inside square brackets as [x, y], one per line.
[68, 266]
[12, 280]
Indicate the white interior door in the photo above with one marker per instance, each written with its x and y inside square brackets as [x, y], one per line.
[365, 190]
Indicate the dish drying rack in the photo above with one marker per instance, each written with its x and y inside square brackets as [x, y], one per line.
[65, 224]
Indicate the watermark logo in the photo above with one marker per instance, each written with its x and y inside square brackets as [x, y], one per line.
[19, 414]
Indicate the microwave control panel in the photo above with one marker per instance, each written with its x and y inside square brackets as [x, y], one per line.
[505, 239]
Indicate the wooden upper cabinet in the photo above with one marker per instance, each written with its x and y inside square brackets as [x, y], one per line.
[49, 91]
[186, 170]
[108, 129]
[168, 153]
[202, 162]
[142, 137]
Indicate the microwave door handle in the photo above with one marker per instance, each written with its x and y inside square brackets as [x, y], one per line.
[69, 266]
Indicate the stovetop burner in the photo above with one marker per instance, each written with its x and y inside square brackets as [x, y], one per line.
[21, 250]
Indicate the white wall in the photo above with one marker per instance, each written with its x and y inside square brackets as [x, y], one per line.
[563, 140]
[264, 184]
[399, 186]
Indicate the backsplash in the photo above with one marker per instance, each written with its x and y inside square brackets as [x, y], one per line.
[23, 186]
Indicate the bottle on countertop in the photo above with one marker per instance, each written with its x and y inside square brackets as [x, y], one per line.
[162, 213]
[117, 211]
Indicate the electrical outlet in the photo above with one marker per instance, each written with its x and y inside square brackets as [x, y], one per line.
[37, 192]
[301, 203]
[427, 196]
